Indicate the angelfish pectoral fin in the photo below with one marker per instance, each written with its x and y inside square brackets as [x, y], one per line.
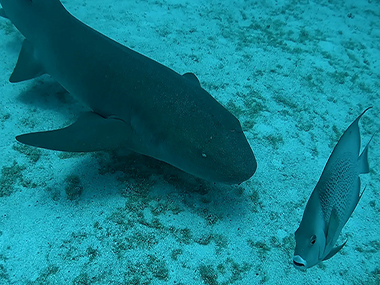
[91, 132]
[334, 251]
[332, 228]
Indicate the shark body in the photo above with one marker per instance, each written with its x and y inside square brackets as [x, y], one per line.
[136, 102]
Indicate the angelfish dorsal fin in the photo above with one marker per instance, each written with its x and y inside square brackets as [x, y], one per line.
[27, 67]
[350, 141]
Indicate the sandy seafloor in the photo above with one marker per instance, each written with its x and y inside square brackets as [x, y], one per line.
[295, 73]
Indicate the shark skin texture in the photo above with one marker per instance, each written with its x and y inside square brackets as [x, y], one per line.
[137, 103]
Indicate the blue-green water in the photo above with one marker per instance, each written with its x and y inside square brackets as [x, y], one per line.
[295, 74]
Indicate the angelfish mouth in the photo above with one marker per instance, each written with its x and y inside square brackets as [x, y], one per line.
[299, 262]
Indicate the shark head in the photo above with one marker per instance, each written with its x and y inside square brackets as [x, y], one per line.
[206, 142]
[192, 132]
[223, 156]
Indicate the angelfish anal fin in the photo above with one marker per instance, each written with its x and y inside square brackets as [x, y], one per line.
[91, 132]
[27, 67]
[334, 251]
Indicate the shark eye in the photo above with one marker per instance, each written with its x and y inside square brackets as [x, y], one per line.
[313, 239]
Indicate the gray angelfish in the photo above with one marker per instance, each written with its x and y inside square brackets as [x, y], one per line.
[136, 103]
[333, 200]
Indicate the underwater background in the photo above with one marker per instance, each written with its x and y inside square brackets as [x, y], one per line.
[295, 73]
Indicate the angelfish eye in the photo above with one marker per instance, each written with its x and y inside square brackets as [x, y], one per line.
[313, 239]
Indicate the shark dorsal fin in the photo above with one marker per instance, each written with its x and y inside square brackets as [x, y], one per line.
[192, 77]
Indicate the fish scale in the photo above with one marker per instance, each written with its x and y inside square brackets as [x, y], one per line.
[335, 193]
[332, 201]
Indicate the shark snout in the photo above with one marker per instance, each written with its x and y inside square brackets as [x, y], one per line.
[299, 262]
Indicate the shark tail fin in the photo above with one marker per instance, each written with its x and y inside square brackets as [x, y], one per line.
[27, 66]
[91, 132]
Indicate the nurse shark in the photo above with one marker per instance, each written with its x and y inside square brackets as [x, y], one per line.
[136, 103]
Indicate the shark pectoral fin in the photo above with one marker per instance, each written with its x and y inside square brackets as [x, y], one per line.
[90, 132]
[2, 14]
[334, 251]
[192, 77]
[27, 67]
